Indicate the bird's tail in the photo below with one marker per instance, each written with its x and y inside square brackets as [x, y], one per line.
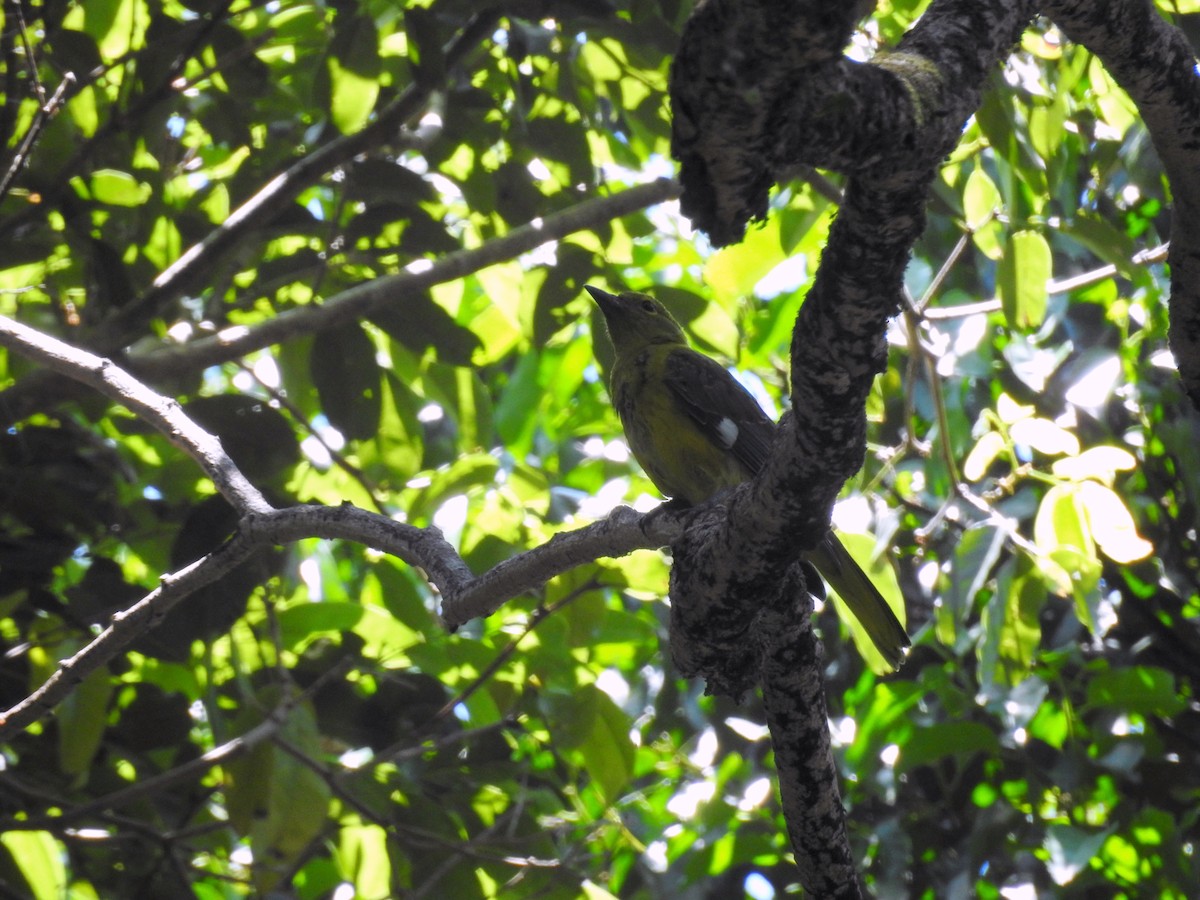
[845, 576]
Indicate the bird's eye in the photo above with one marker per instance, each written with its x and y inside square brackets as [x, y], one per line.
[648, 306]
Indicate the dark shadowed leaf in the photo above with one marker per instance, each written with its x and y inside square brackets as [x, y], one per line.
[348, 380]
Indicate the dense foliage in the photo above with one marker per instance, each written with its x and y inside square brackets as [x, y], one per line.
[307, 725]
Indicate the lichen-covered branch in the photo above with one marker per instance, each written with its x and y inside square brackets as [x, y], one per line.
[1156, 66]
[741, 123]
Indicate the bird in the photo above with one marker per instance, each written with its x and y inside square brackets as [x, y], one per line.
[696, 431]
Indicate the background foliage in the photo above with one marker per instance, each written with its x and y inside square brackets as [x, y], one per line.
[1032, 477]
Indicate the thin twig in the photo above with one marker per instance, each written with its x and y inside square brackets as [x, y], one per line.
[1146, 257]
[44, 114]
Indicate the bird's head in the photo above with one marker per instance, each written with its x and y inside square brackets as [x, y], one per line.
[636, 320]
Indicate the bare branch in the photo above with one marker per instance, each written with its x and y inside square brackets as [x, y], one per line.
[618, 535]
[1156, 66]
[45, 113]
[32, 392]
[147, 787]
[126, 625]
[261, 525]
[163, 413]
[361, 300]
[196, 262]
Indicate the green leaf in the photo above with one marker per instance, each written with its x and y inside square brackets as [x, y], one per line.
[299, 622]
[418, 323]
[1021, 279]
[989, 446]
[348, 380]
[363, 859]
[1112, 526]
[354, 67]
[82, 718]
[1109, 243]
[1143, 690]
[1061, 521]
[272, 797]
[732, 272]
[40, 862]
[975, 556]
[589, 723]
[961, 740]
[981, 199]
[117, 25]
[1044, 436]
[470, 470]
[1046, 126]
[117, 188]
[1098, 463]
[1011, 623]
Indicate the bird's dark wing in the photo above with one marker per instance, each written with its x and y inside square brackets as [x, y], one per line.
[722, 409]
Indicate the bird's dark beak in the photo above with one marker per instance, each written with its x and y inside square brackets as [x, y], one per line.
[604, 299]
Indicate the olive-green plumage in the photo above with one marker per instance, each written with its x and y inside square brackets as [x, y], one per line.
[696, 431]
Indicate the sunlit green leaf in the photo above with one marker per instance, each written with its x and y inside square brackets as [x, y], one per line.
[1021, 279]
[40, 862]
[117, 188]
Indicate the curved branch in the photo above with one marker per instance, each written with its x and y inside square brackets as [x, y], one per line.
[464, 594]
[1156, 66]
[738, 614]
[838, 347]
[163, 413]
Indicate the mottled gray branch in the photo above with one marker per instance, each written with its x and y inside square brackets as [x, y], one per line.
[794, 697]
[1156, 66]
[743, 120]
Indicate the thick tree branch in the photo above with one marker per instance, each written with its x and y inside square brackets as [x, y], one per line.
[1155, 65]
[838, 344]
[794, 696]
[735, 619]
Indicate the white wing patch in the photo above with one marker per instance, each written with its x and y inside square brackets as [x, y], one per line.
[727, 430]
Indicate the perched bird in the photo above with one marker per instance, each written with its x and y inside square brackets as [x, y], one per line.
[696, 431]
